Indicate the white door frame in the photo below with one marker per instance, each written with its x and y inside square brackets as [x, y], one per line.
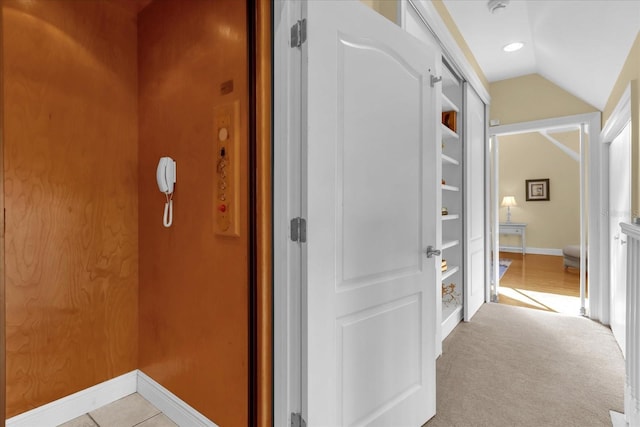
[598, 264]
[492, 219]
[287, 204]
[488, 238]
[619, 118]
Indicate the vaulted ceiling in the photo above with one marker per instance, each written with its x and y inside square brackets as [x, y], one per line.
[580, 45]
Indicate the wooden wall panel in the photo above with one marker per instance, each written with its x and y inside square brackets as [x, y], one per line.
[193, 283]
[70, 161]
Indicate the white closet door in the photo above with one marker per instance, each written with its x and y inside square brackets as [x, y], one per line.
[371, 181]
[475, 131]
[619, 211]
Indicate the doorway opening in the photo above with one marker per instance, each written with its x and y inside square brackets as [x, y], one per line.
[542, 189]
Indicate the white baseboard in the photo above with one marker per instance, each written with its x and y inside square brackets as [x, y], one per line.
[170, 404]
[617, 419]
[544, 251]
[67, 408]
[530, 250]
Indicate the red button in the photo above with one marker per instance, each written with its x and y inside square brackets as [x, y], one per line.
[222, 208]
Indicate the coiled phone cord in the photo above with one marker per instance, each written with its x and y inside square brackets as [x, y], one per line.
[167, 219]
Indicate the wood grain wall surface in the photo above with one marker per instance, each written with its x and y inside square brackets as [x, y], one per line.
[70, 161]
[193, 283]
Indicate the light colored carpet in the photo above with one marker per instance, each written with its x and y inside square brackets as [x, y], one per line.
[514, 366]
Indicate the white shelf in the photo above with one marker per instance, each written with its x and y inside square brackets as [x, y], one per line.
[448, 134]
[450, 160]
[450, 188]
[451, 316]
[448, 105]
[450, 217]
[450, 272]
[451, 244]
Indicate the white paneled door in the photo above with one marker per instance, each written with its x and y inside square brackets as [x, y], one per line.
[474, 289]
[369, 308]
[619, 211]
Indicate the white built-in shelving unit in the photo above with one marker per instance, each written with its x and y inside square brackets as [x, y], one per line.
[452, 200]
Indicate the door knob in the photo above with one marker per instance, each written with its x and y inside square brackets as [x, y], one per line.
[431, 251]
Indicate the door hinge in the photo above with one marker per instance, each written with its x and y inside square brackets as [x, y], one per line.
[435, 80]
[299, 230]
[299, 33]
[297, 420]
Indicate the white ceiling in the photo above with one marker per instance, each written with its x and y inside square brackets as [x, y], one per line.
[580, 45]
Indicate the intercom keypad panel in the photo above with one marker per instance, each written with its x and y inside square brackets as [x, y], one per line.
[226, 169]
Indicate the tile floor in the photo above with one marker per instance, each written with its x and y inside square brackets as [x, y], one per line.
[130, 411]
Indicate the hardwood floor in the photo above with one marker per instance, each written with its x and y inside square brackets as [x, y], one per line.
[541, 282]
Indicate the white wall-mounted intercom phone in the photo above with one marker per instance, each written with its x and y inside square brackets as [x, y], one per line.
[166, 177]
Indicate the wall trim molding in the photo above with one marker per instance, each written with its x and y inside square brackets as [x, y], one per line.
[530, 250]
[618, 119]
[69, 407]
[554, 123]
[171, 405]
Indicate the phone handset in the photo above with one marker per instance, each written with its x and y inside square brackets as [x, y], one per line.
[166, 177]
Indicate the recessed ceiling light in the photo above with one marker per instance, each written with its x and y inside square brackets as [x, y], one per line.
[512, 47]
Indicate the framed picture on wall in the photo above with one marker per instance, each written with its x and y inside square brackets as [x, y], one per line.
[537, 189]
